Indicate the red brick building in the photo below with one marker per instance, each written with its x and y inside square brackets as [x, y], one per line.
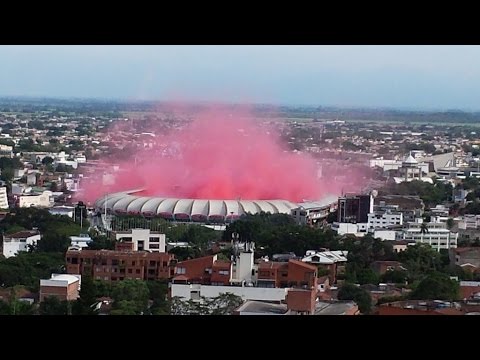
[302, 301]
[292, 274]
[113, 265]
[62, 286]
[205, 270]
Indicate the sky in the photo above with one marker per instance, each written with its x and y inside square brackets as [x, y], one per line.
[406, 77]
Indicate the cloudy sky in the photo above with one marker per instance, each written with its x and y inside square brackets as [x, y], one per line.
[408, 77]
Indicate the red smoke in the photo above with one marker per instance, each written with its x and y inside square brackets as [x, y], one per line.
[219, 155]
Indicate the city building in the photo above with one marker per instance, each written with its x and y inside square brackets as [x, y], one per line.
[267, 281]
[435, 234]
[3, 198]
[313, 212]
[410, 206]
[113, 265]
[62, 210]
[331, 262]
[383, 219]
[19, 241]
[466, 257]
[420, 307]
[143, 239]
[354, 208]
[80, 241]
[62, 286]
[469, 221]
[44, 199]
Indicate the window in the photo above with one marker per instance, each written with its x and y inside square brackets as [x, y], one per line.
[224, 272]
[152, 263]
[137, 271]
[154, 239]
[195, 295]
[180, 270]
[154, 246]
[105, 278]
[133, 263]
[164, 264]
[130, 271]
[114, 262]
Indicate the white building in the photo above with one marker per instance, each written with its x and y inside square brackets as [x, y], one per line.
[384, 219]
[196, 291]
[469, 221]
[3, 198]
[311, 212]
[14, 243]
[358, 229]
[62, 210]
[143, 239]
[81, 241]
[382, 234]
[436, 235]
[44, 199]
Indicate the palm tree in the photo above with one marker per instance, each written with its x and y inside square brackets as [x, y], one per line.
[423, 229]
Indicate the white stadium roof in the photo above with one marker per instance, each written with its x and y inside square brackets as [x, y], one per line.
[192, 209]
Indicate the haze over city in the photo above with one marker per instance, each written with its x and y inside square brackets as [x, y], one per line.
[239, 180]
[406, 77]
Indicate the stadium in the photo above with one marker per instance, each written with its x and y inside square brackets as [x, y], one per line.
[195, 210]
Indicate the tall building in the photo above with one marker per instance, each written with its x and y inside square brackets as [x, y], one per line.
[354, 208]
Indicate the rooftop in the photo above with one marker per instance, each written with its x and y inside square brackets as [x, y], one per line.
[265, 308]
[333, 307]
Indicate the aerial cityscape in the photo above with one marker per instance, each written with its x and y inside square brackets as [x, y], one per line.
[199, 194]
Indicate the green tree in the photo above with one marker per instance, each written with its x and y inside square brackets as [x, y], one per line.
[130, 294]
[436, 286]
[7, 174]
[51, 305]
[53, 242]
[357, 294]
[83, 306]
[450, 223]
[47, 160]
[395, 276]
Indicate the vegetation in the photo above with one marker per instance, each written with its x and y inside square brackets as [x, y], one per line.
[436, 286]
[357, 294]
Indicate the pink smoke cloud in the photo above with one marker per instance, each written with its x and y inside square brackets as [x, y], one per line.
[219, 155]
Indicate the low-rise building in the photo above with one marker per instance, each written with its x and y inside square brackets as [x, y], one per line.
[143, 239]
[3, 198]
[44, 199]
[333, 262]
[80, 241]
[19, 241]
[466, 257]
[62, 286]
[313, 212]
[384, 219]
[436, 234]
[113, 265]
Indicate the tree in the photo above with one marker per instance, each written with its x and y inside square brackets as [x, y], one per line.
[53, 242]
[357, 294]
[436, 286]
[395, 276]
[7, 174]
[47, 160]
[450, 223]
[51, 305]
[83, 306]
[130, 297]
